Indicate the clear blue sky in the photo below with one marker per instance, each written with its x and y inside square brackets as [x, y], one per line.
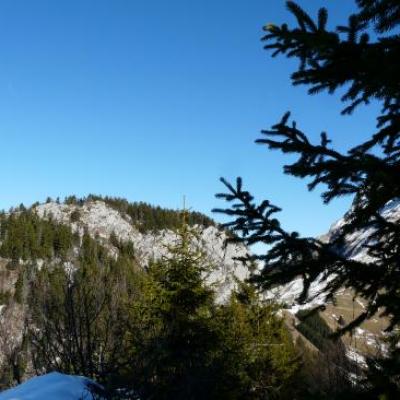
[153, 100]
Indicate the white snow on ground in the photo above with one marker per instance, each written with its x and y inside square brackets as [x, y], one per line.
[288, 294]
[354, 356]
[355, 247]
[53, 386]
[360, 303]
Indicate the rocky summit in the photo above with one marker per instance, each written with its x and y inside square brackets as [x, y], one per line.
[102, 221]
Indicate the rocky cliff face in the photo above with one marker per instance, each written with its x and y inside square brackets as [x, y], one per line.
[101, 221]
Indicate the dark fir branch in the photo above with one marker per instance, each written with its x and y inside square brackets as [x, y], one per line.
[366, 70]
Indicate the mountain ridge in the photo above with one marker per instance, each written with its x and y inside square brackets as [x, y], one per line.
[111, 227]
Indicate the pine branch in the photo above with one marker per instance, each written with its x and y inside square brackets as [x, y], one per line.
[291, 256]
[324, 57]
[383, 14]
[366, 70]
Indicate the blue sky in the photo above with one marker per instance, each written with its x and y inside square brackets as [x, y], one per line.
[154, 100]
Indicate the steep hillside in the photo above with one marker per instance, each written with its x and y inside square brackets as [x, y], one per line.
[355, 244]
[52, 234]
[366, 339]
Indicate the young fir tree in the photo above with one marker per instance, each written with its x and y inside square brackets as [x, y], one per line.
[189, 347]
[258, 357]
[179, 356]
[369, 172]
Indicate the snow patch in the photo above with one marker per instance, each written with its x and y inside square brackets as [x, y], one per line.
[355, 247]
[288, 294]
[353, 355]
[53, 386]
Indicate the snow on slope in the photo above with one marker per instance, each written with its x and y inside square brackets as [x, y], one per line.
[288, 294]
[53, 386]
[102, 220]
[354, 248]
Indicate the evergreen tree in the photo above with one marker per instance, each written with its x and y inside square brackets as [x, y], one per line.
[188, 347]
[146, 217]
[179, 356]
[368, 69]
[369, 171]
[258, 356]
[26, 236]
[75, 216]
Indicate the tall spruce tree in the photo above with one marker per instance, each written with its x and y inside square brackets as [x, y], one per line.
[258, 357]
[179, 355]
[368, 70]
[189, 347]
